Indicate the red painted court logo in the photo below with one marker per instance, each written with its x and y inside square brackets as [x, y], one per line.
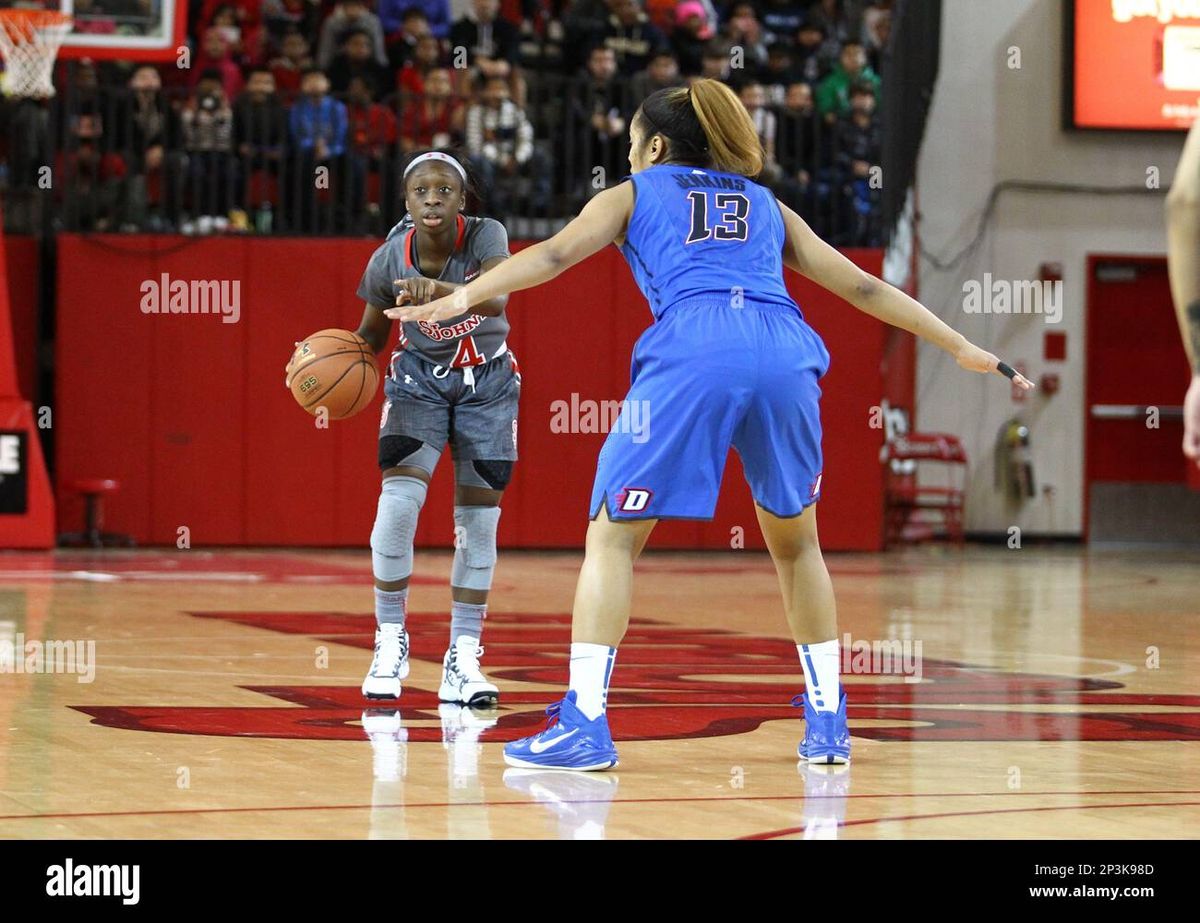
[672, 683]
[633, 499]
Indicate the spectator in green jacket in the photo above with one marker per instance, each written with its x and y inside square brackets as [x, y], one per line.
[833, 93]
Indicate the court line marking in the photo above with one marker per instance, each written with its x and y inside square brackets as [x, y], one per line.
[1121, 667]
[732, 798]
[862, 822]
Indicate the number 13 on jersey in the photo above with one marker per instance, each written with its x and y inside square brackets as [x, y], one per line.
[727, 213]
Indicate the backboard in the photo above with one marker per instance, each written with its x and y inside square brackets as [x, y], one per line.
[134, 30]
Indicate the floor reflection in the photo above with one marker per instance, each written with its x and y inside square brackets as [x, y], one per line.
[579, 800]
[826, 789]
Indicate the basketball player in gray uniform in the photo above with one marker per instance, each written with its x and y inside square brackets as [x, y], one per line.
[449, 382]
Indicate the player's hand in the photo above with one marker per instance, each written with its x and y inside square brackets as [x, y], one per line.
[1191, 421]
[452, 305]
[419, 291]
[974, 359]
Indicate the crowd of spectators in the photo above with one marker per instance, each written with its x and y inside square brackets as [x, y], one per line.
[292, 115]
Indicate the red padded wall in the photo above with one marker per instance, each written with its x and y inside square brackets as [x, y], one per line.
[192, 415]
[21, 270]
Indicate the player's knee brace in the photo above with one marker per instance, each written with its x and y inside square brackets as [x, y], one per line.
[474, 546]
[400, 503]
[493, 475]
[397, 451]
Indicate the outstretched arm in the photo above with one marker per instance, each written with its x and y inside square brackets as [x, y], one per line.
[422, 290]
[810, 256]
[1183, 264]
[602, 220]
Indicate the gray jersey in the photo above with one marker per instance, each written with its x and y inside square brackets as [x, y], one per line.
[467, 340]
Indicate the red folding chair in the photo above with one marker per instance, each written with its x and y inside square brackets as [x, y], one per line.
[913, 509]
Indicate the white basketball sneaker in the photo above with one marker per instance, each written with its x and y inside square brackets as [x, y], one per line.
[389, 665]
[462, 680]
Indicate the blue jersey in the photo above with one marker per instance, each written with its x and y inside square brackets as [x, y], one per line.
[700, 233]
[728, 363]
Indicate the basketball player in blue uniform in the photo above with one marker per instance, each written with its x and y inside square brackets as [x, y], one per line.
[728, 361]
[453, 383]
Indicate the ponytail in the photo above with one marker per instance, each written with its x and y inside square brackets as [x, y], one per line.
[732, 139]
[706, 126]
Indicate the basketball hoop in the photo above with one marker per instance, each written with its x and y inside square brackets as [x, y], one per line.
[29, 42]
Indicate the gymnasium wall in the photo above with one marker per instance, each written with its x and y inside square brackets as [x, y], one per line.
[991, 122]
[192, 416]
[21, 274]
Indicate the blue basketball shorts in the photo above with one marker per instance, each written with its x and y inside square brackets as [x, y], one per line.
[706, 376]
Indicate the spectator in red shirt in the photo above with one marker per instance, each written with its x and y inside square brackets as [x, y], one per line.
[240, 21]
[247, 13]
[370, 138]
[426, 58]
[215, 55]
[662, 14]
[287, 69]
[436, 118]
[372, 126]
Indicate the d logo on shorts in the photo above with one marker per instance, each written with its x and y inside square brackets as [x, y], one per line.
[633, 499]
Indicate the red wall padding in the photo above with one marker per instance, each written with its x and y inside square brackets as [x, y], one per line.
[191, 414]
[21, 273]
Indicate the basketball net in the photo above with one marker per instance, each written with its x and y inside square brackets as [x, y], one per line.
[29, 43]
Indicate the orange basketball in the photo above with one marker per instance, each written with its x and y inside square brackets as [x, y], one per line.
[334, 369]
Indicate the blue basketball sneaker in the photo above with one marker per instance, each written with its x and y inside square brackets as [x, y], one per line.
[826, 737]
[570, 741]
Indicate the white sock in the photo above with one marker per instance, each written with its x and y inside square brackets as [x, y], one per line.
[822, 683]
[591, 669]
[391, 606]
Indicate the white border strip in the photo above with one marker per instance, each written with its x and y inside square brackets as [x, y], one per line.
[132, 42]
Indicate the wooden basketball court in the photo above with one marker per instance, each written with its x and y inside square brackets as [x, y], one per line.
[1055, 697]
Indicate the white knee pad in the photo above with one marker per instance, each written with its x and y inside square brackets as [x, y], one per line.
[400, 503]
[474, 546]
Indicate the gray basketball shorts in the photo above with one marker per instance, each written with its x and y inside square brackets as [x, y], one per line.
[438, 405]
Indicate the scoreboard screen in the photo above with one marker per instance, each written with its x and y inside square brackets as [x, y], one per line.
[1133, 64]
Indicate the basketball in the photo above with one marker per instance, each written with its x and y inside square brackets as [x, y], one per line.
[334, 369]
